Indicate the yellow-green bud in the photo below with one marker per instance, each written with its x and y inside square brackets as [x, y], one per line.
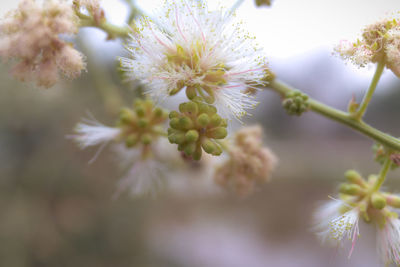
[190, 148]
[353, 177]
[158, 112]
[177, 138]
[143, 123]
[140, 111]
[174, 123]
[146, 139]
[203, 120]
[131, 140]
[174, 114]
[191, 92]
[126, 116]
[191, 108]
[378, 201]
[192, 136]
[218, 133]
[209, 146]
[350, 189]
[393, 201]
[185, 123]
[215, 120]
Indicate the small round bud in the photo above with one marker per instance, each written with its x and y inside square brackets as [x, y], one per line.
[191, 92]
[140, 111]
[350, 189]
[209, 146]
[218, 133]
[189, 149]
[146, 139]
[131, 140]
[203, 120]
[192, 136]
[378, 201]
[215, 120]
[295, 103]
[174, 123]
[353, 177]
[173, 114]
[185, 123]
[393, 200]
[143, 123]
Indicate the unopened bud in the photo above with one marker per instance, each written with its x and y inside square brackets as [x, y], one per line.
[393, 200]
[192, 136]
[218, 133]
[378, 201]
[350, 189]
[354, 177]
[203, 120]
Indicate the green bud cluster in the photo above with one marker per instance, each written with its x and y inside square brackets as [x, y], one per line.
[380, 155]
[142, 124]
[296, 103]
[361, 192]
[195, 128]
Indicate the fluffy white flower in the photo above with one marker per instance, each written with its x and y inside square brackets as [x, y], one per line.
[206, 53]
[92, 133]
[389, 241]
[331, 225]
[148, 170]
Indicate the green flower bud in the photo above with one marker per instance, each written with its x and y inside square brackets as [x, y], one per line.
[158, 112]
[190, 148]
[191, 92]
[126, 116]
[218, 133]
[195, 128]
[354, 177]
[295, 103]
[177, 138]
[143, 123]
[203, 120]
[173, 114]
[185, 123]
[209, 146]
[350, 189]
[215, 120]
[174, 123]
[131, 140]
[140, 111]
[146, 139]
[393, 200]
[192, 136]
[378, 201]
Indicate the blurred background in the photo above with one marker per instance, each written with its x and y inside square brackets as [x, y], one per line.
[57, 210]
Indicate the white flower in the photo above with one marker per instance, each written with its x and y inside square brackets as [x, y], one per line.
[144, 178]
[92, 133]
[334, 226]
[389, 241]
[206, 53]
[149, 168]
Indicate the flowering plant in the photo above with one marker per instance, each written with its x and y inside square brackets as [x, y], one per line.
[185, 48]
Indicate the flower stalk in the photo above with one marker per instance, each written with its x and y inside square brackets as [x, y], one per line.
[382, 174]
[368, 96]
[112, 30]
[342, 117]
